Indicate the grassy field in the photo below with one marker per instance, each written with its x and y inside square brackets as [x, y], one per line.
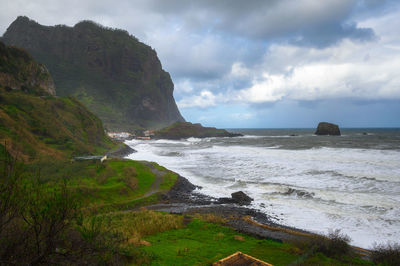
[156, 238]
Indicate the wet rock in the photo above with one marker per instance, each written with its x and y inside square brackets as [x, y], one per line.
[325, 128]
[226, 200]
[241, 198]
[299, 193]
[121, 152]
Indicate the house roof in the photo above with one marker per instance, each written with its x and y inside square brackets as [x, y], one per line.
[241, 259]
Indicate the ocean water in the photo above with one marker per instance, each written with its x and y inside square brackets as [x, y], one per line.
[317, 183]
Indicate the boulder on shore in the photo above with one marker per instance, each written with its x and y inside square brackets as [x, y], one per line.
[238, 197]
[241, 198]
[325, 128]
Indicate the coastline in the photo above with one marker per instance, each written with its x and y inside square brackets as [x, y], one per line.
[121, 152]
[184, 200]
[316, 183]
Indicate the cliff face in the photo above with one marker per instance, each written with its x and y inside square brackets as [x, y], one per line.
[18, 71]
[117, 77]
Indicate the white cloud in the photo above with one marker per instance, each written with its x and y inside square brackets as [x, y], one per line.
[348, 70]
[204, 99]
[239, 71]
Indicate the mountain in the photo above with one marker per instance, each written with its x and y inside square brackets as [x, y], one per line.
[34, 124]
[117, 77]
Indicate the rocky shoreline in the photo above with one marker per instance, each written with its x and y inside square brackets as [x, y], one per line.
[121, 152]
[183, 198]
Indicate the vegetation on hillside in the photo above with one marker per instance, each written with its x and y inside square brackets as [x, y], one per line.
[42, 224]
[49, 214]
[48, 127]
[19, 71]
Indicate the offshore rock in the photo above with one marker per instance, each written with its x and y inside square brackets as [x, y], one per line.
[183, 130]
[325, 128]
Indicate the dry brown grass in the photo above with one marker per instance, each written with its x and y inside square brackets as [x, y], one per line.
[131, 182]
[105, 174]
[219, 236]
[135, 225]
[130, 171]
[239, 238]
[211, 218]
[273, 228]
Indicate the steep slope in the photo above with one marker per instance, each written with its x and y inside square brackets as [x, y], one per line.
[36, 125]
[117, 77]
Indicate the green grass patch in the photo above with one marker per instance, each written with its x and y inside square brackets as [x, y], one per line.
[202, 243]
[108, 186]
[169, 178]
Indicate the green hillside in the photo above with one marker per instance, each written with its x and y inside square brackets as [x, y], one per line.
[117, 77]
[36, 125]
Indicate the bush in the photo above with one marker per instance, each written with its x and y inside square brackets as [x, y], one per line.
[42, 223]
[388, 254]
[334, 245]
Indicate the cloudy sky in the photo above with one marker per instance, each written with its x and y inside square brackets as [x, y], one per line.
[259, 63]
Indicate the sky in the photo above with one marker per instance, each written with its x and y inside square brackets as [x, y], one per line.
[258, 63]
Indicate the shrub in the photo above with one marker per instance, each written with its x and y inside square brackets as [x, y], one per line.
[42, 223]
[388, 254]
[335, 244]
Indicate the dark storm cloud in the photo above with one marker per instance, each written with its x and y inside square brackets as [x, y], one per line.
[318, 23]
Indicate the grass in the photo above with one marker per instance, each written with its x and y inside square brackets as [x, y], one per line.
[109, 186]
[169, 177]
[202, 243]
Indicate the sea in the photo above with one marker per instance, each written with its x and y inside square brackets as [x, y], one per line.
[316, 183]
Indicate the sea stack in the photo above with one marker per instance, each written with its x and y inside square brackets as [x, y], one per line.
[325, 128]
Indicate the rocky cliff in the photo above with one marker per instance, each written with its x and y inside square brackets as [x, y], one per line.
[117, 77]
[18, 71]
